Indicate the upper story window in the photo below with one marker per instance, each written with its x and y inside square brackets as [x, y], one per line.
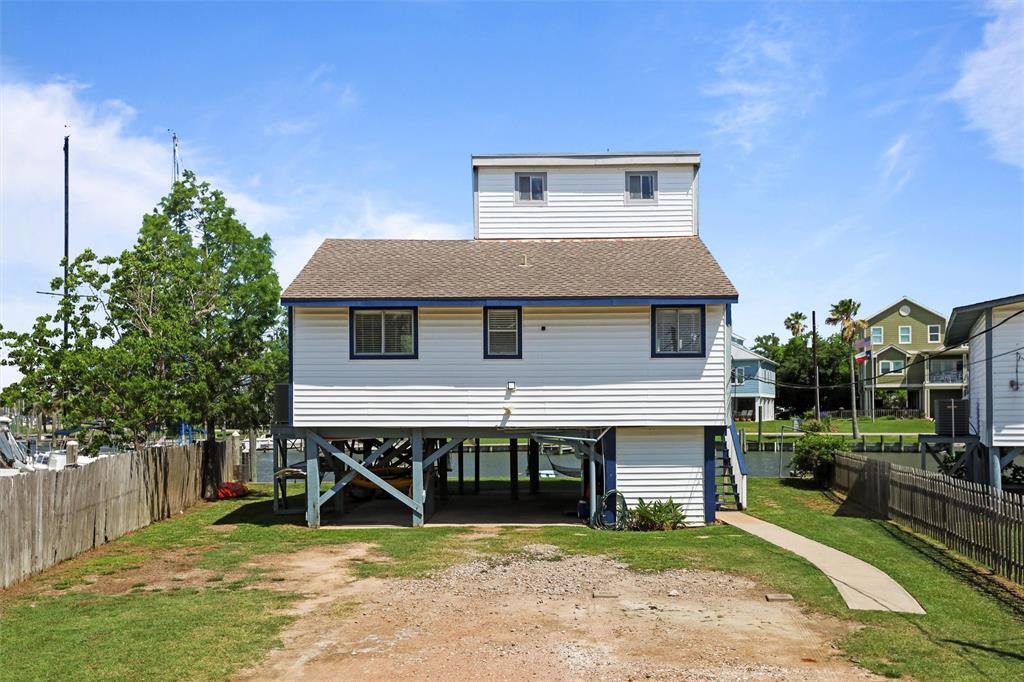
[739, 375]
[877, 336]
[934, 333]
[531, 188]
[388, 333]
[503, 331]
[641, 186]
[677, 331]
[904, 334]
[890, 366]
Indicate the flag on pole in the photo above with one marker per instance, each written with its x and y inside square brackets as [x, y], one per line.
[863, 343]
[862, 356]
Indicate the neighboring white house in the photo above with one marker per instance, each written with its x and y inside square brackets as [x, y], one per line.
[586, 310]
[994, 331]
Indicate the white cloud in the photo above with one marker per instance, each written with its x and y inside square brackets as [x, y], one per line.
[991, 85]
[897, 168]
[765, 75]
[118, 176]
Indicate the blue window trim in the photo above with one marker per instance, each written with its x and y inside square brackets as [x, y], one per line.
[674, 301]
[406, 356]
[703, 332]
[519, 333]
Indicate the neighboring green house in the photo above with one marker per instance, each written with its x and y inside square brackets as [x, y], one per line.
[752, 383]
[908, 354]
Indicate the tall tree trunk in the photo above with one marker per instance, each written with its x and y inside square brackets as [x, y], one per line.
[211, 462]
[853, 396]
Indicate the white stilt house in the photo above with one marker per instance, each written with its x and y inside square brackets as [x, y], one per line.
[586, 311]
[994, 330]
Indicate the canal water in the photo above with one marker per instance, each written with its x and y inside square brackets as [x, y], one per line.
[492, 465]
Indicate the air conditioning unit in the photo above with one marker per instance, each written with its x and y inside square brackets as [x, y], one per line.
[952, 417]
[282, 404]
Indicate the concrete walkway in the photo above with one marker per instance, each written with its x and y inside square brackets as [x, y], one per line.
[860, 584]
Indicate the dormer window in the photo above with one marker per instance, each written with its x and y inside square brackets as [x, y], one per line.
[532, 188]
[641, 187]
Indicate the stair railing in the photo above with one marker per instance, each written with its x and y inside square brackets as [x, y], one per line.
[734, 448]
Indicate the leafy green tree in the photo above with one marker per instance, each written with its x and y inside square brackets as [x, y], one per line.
[769, 346]
[185, 325]
[796, 323]
[844, 315]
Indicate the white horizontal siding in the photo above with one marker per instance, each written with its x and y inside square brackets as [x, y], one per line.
[581, 366]
[976, 388]
[658, 463]
[1007, 404]
[585, 202]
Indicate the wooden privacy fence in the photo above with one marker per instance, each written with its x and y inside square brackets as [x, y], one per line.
[976, 520]
[50, 516]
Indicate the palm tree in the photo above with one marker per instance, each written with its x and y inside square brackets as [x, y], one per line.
[795, 323]
[844, 314]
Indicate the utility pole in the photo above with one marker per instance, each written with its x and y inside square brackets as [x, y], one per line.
[814, 355]
[67, 139]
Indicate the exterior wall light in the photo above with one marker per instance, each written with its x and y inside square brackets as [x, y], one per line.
[510, 385]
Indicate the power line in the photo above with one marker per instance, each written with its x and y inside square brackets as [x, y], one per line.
[943, 349]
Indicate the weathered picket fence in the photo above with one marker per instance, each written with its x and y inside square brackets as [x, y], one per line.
[50, 516]
[975, 520]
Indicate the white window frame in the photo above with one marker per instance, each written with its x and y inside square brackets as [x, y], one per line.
[531, 201]
[654, 187]
[881, 336]
[910, 334]
[937, 334]
[893, 370]
[739, 376]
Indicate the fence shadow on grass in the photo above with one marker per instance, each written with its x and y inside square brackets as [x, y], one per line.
[979, 581]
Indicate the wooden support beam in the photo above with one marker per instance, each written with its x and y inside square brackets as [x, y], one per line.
[476, 466]
[462, 467]
[440, 452]
[417, 477]
[513, 467]
[533, 464]
[369, 475]
[351, 475]
[442, 470]
[312, 483]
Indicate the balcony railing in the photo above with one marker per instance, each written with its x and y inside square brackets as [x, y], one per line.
[951, 376]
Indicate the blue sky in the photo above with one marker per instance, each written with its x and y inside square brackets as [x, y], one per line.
[864, 150]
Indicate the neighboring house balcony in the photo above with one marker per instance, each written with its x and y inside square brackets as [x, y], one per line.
[946, 377]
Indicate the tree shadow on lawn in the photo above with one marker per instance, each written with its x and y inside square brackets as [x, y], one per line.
[845, 506]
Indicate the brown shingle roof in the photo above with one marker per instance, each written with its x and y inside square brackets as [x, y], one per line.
[674, 267]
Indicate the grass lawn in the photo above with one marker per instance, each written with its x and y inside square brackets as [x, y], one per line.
[973, 629]
[846, 426]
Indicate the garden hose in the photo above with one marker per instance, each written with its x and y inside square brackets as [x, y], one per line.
[599, 520]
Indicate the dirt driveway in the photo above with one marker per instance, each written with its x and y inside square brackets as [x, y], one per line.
[542, 615]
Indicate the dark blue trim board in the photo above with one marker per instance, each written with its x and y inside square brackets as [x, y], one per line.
[519, 333]
[608, 450]
[703, 333]
[710, 432]
[291, 370]
[407, 356]
[728, 314]
[502, 302]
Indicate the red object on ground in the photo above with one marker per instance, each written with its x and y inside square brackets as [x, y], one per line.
[231, 489]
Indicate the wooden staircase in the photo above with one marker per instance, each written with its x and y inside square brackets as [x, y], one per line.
[727, 494]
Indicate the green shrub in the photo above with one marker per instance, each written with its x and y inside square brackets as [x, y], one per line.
[818, 425]
[814, 454]
[658, 515]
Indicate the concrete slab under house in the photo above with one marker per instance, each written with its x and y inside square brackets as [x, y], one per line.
[586, 325]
